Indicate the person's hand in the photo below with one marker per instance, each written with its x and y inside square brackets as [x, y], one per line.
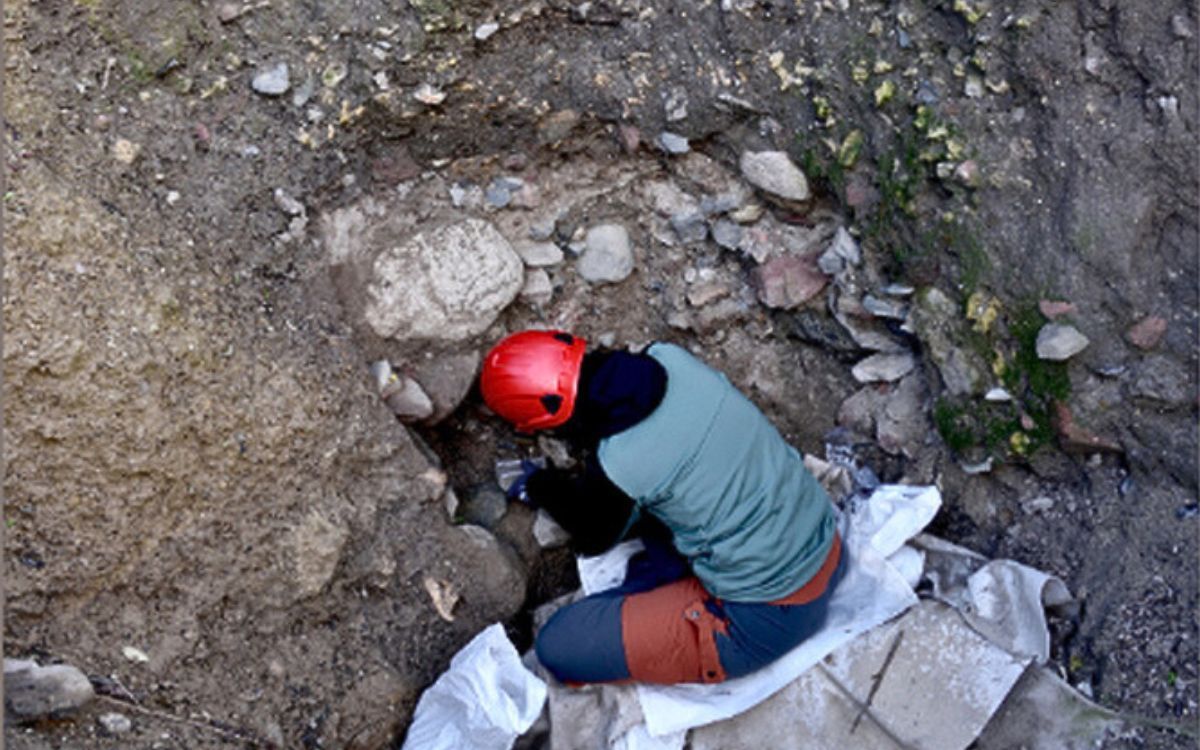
[517, 490]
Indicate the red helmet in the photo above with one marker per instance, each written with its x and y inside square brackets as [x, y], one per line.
[530, 378]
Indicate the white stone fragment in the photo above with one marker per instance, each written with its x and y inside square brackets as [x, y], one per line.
[1058, 342]
[774, 172]
[884, 367]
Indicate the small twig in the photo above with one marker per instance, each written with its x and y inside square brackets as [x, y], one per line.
[866, 710]
[211, 725]
[877, 679]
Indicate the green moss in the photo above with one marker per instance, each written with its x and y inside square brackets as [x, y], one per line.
[825, 172]
[954, 425]
[1044, 381]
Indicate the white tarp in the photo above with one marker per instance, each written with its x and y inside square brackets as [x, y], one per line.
[484, 701]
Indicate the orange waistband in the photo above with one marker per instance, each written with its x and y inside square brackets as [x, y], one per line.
[819, 582]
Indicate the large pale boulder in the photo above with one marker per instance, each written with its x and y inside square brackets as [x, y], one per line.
[448, 283]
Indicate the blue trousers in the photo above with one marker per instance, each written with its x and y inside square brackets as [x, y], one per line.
[661, 626]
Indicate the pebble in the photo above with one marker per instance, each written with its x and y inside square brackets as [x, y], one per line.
[973, 87]
[1055, 308]
[774, 172]
[429, 94]
[498, 193]
[898, 290]
[608, 255]
[403, 395]
[997, 395]
[541, 231]
[135, 655]
[714, 205]
[382, 373]
[690, 227]
[842, 251]
[486, 30]
[967, 173]
[35, 692]
[271, 81]
[548, 533]
[115, 723]
[229, 12]
[539, 254]
[747, 214]
[1147, 333]
[304, 92]
[1037, 505]
[1126, 486]
[789, 281]
[125, 151]
[886, 368]
[675, 104]
[408, 400]
[927, 94]
[484, 507]
[885, 308]
[673, 143]
[1058, 342]
[903, 39]
[287, 203]
[1181, 26]
[465, 195]
[727, 234]
[538, 289]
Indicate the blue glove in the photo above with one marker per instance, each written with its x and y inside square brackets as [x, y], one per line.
[517, 491]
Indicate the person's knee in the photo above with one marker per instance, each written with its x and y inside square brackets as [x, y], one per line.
[582, 642]
[557, 650]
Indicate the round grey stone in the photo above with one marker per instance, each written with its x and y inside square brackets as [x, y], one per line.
[272, 80]
[35, 692]
[608, 255]
[727, 234]
[484, 507]
[673, 143]
[115, 723]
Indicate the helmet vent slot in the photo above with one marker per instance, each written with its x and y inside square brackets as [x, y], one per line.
[552, 402]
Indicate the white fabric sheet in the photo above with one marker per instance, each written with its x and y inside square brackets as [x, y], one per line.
[871, 592]
[484, 701]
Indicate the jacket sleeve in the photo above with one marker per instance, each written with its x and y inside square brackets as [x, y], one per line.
[593, 510]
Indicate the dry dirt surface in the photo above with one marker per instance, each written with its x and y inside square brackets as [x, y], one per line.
[205, 254]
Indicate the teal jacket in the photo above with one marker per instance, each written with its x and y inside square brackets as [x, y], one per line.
[753, 522]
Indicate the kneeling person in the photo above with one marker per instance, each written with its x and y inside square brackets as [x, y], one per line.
[742, 551]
